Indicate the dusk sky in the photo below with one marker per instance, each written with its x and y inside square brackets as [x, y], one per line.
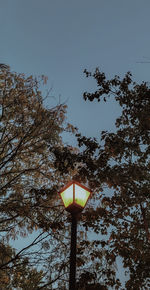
[60, 38]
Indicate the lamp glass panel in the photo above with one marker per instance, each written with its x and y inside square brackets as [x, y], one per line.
[81, 195]
[67, 196]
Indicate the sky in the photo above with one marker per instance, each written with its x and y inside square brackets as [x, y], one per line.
[61, 38]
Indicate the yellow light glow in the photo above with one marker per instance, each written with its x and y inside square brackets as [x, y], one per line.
[67, 196]
[81, 195]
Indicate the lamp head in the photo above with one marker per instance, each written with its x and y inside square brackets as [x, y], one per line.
[75, 196]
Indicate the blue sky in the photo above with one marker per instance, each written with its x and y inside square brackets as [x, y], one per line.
[63, 37]
[60, 38]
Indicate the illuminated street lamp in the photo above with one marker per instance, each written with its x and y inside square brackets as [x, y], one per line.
[74, 196]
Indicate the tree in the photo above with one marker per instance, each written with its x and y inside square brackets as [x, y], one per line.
[118, 171]
[30, 180]
[121, 162]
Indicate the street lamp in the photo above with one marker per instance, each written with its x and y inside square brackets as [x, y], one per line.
[74, 196]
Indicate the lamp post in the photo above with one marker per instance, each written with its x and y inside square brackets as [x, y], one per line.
[74, 196]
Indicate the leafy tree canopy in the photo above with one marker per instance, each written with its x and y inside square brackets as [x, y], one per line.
[35, 163]
[30, 180]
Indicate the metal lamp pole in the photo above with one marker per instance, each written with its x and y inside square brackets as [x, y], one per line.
[72, 277]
